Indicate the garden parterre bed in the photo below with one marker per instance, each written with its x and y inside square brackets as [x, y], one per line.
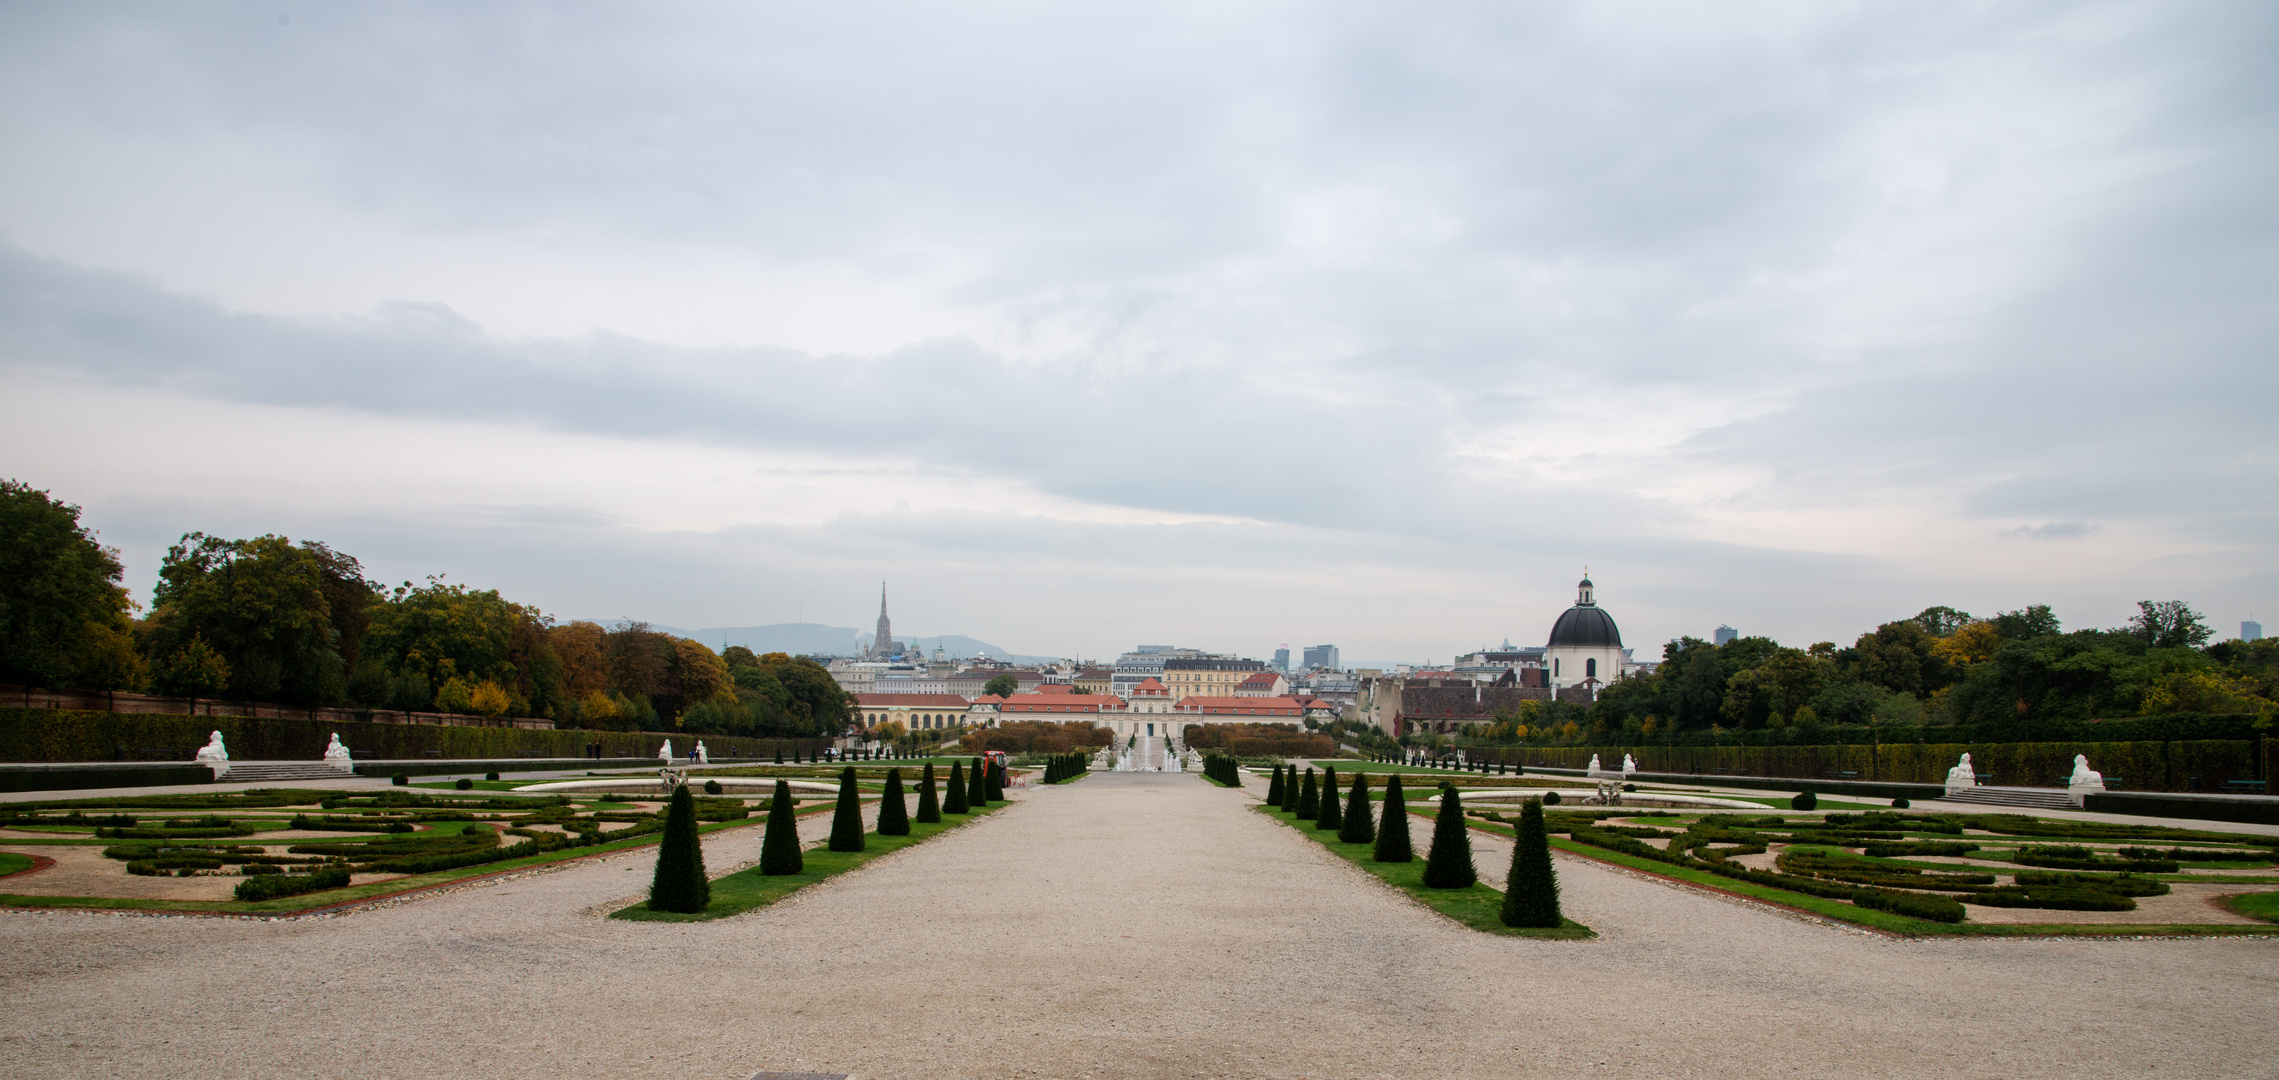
[1936, 873]
[191, 852]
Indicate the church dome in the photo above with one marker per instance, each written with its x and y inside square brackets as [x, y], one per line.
[1586, 625]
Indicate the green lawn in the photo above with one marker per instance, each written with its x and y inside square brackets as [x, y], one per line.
[747, 889]
[1478, 907]
[12, 863]
[2262, 905]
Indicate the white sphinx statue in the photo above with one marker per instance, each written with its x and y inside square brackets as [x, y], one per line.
[703, 756]
[666, 753]
[338, 755]
[1962, 776]
[213, 750]
[1594, 770]
[1629, 764]
[2084, 778]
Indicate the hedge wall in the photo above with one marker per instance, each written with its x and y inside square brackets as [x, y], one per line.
[76, 735]
[2138, 766]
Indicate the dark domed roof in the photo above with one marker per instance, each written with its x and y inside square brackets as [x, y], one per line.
[1586, 625]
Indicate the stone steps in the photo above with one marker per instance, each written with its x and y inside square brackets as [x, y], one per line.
[2036, 798]
[264, 771]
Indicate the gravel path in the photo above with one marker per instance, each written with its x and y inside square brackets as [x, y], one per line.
[1131, 925]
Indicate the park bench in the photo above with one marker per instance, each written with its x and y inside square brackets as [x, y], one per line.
[530, 753]
[435, 753]
[1833, 774]
[2236, 787]
[156, 753]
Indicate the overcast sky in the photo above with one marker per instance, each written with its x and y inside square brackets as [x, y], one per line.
[1217, 324]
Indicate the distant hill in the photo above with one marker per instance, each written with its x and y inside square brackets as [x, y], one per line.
[820, 640]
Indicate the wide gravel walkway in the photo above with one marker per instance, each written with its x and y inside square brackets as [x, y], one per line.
[1125, 926]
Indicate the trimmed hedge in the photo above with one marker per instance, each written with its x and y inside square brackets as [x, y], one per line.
[273, 886]
[2145, 755]
[85, 735]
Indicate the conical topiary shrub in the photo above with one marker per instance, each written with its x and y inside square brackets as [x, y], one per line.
[996, 787]
[1449, 864]
[1309, 804]
[847, 821]
[953, 802]
[1290, 791]
[1274, 787]
[779, 852]
[893, 813]
[1329, 815]
[976, 786]
[1359, 827]
[680, 884]
[929, 805]
[1393, 827]
[779, 754]
[1531, 889]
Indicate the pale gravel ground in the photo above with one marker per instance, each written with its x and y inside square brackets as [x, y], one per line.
[1129, 925]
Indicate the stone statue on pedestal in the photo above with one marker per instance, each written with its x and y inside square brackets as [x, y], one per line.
[1962, 775]
[213, 750]
[2085, 778]
[667, 752]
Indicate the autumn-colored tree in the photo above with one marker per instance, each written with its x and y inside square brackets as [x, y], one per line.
[488, 699]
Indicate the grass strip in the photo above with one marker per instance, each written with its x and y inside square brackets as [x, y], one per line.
[12, 863]
[2261, 905]
[746, 889]
[1478, 906]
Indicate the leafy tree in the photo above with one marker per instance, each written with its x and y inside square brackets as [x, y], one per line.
[2169, 624]
[195, 671]
[929, 806]
[847, 821]
[779, 852]
[1001, 686]
[1531, 888]
[680, 883]
[1449, 864]
[265, 605]
[1393, 826]
[60, 597]
[2032, 622]
[488, 699]
[1898, 656]
[1358, 827]
[893, 813]
[1941, 621]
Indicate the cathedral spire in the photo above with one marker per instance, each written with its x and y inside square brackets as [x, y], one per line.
[883, 643]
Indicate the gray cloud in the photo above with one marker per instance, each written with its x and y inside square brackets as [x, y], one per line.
[1526, 285]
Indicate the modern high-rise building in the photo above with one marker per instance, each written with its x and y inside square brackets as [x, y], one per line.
[2250, 630]
[1282, 658]
[1322, 656]
[1725, 635]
